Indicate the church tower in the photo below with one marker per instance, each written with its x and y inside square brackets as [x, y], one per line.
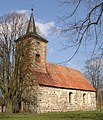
[32, 48]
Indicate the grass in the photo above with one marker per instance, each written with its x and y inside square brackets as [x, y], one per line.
[54, 116]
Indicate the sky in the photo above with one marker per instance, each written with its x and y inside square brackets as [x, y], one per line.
[46, 12]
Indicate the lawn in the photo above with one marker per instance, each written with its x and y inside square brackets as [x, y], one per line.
[55, 116]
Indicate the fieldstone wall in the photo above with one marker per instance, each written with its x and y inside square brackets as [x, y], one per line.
[38, 47]
[33, 54]
[56, 99]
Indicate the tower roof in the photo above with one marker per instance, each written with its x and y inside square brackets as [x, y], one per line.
[31, 26]
[31, 30]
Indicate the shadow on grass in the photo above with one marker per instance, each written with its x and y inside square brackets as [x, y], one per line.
[78, 116]
[22, 117]
[55, 116]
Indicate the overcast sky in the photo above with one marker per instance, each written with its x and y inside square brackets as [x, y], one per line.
[46, 12]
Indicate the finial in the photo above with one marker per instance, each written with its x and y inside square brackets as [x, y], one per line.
[32, 9]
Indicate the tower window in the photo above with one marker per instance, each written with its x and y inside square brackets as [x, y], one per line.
[70, 97]
[37, 58]
[38, 44]
[22, 54]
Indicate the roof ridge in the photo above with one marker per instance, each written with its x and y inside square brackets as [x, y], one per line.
[64, 66]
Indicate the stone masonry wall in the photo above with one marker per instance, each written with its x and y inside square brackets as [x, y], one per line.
[26, 59]
[28, 49]
[38, 48]
[56, 99]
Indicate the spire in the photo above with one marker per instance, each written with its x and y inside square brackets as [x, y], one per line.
[31, 26]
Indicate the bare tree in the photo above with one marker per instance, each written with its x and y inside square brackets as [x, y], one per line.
[12, 26]
[81, 23]
[94, 73]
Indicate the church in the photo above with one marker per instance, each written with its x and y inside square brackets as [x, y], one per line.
[49, 87]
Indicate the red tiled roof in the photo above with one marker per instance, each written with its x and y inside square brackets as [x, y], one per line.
[63, 77]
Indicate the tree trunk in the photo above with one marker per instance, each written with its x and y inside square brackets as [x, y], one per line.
[9, 107]
[2, 109]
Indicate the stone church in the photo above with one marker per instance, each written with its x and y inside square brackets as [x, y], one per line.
[49, 87]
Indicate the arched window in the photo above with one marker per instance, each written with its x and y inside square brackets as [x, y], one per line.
[70, 97]
[84, 98]
[37, 58]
